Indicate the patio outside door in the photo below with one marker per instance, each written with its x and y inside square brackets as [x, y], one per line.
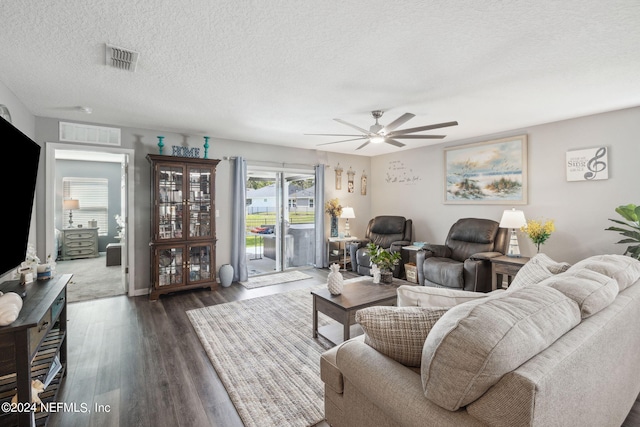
[280, 220]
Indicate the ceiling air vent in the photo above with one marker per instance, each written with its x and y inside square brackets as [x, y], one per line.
[121, 58]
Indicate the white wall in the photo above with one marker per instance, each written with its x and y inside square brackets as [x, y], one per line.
[144, 141]
[580, 209]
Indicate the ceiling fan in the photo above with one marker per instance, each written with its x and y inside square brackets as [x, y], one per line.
[378, 133]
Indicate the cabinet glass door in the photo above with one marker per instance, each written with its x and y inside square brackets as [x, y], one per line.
[170, 202]
[200, 205]
[170, 268]
[200, 263]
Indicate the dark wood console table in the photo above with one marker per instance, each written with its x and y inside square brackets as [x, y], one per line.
[29, 346]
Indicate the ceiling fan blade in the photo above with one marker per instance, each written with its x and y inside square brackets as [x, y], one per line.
[363, 145]
[421, 128]
[419, 136]
[397, 122]
[344, 140]
[366, 132]
[330, 134]
[394, 142]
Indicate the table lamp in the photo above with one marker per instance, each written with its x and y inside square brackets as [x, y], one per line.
[513, 219]
[70, 205]
[347, 213]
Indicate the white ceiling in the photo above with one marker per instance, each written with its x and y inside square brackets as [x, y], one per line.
[271, 71]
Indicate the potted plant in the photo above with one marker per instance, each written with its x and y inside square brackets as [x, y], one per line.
[632, 231]
[385, 260]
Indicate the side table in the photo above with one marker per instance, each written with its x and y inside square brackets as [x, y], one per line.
[343, 259]
[505, 265]
[408, 256]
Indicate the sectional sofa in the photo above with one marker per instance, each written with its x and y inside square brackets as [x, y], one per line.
[558, 348]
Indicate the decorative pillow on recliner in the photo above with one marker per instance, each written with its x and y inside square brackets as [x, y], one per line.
[398, 332]
[476, 343]
[536, 270]
[625, 270]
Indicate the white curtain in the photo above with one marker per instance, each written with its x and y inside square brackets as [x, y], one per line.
[319, 215]
[238, 221]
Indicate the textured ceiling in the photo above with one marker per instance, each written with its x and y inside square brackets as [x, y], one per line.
[271, 71]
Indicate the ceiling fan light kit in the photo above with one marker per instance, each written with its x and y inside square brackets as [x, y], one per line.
[378, 133]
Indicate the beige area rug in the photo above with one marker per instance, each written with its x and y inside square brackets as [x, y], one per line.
[274, 279]
[91, 278]
[264, 354]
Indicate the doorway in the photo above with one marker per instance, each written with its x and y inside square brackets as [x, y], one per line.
[280, 219]
[115, 259]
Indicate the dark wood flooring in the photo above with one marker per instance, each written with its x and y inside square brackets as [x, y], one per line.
[143, 365]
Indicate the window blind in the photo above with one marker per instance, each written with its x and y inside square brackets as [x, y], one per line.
[93, 197]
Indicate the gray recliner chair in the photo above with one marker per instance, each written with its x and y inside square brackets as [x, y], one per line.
[388, 232]
[463, 261]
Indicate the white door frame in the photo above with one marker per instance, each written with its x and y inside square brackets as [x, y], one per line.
[50, 186]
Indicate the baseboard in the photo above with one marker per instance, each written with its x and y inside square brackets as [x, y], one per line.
[139, 292]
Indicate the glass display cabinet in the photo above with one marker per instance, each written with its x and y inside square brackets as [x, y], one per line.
[183, 237]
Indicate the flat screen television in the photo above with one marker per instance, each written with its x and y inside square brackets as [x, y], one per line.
[21, 156]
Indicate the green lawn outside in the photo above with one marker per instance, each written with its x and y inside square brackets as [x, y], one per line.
[257, 220]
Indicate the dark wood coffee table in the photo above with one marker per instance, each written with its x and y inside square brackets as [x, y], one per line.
[342, 308]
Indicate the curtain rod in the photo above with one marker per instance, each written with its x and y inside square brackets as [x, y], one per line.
[268, 163]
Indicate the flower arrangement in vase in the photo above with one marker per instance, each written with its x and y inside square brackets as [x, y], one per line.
[334, 209]
[538, 231]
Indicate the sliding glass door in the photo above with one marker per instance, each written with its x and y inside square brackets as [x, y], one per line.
[280, 219]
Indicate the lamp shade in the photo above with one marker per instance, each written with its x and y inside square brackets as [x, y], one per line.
[71, 204]
[512, 219]
[348, 213]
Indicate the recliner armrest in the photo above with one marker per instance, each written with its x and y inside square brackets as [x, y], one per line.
[481, 256]
[360, 243]
[396, 246]
[438, 250]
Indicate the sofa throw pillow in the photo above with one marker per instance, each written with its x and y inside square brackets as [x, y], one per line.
[625, 270]
[591, 290]
[398, 332]
[428, 296]
[476, 343]
[536, 270]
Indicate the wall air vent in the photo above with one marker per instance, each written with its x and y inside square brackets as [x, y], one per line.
[89, 134]
[121, 58]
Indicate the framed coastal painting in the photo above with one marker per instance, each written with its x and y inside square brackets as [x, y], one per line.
[491, 172]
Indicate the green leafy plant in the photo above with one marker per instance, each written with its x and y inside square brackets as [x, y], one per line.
[385, 260]
[631, 213]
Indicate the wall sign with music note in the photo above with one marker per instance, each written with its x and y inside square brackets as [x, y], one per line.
[588, 165]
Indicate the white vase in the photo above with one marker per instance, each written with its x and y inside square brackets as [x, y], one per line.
[375, 272]
[335, 281]
[226, 275]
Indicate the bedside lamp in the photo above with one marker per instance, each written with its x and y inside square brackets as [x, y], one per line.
[347, 213]
[70, 205]
[513, 219]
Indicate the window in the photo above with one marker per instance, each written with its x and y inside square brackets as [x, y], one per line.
[93, 196]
